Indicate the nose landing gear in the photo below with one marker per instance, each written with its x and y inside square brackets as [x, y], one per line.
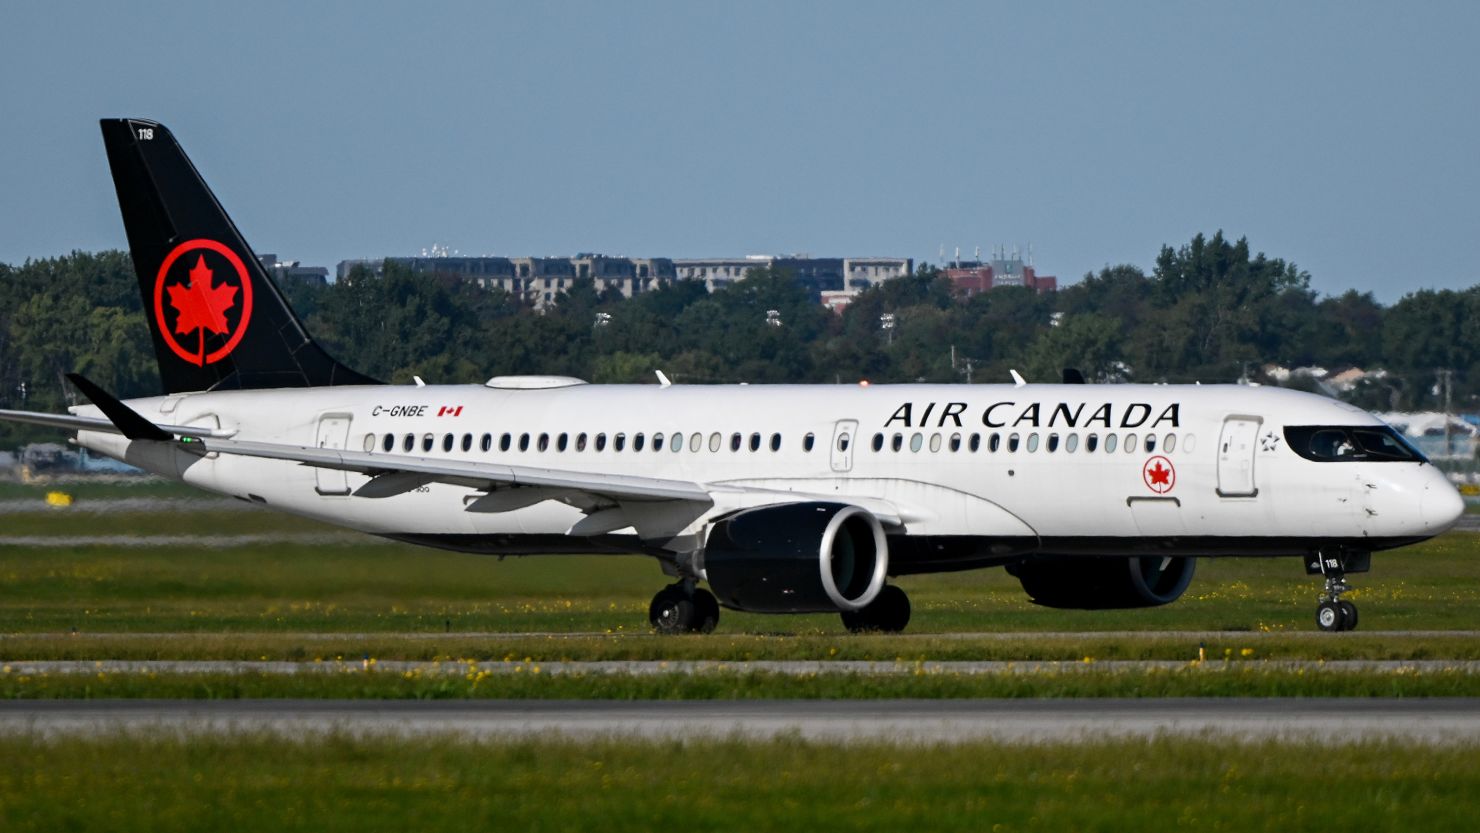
[1333, 614]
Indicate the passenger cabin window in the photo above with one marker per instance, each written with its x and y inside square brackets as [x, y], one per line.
[897, 443]
[523, 442]
[1347, 444]
[955, 442]
[1033, 441]
[581, 441]
[601, 442]
[390, 442]
[736, 441]
[467, 442]
[775, 442]
[409, 443]
[1169, 443]
[808, 441]
[658, 441]
[427, 441]
[1150, 443]
[619, 442]
[843, 439]
[503, 442]
[755, 442]
[916, 441]
[935, 442]
[1071, 443]
[544, 442]
[1130, 443]
[1053, 442]
[1110, 443]
[715, 441]
[638, 440]
[1091, 442]
[447, 442]
[878, 442]
[562, 442]
[1012, 442]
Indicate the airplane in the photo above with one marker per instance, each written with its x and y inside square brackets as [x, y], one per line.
[781, 498]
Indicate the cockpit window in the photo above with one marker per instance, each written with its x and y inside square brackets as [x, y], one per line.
[1344, 444]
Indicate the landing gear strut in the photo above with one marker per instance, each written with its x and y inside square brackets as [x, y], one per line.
[889, 612]
[1333, 614]
[683, 608]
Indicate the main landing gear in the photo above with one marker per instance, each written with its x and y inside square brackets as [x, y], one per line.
[683, 607]
[1333, 614]
[889, 612]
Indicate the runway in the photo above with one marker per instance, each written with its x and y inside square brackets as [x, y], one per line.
[1433, 721]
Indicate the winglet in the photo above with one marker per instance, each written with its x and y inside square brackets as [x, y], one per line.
[1017, 379]
[663, 380]
[133, 426]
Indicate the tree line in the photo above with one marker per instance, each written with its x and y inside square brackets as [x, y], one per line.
[1210, 310]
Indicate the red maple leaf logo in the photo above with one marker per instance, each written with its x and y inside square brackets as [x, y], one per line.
[1159, 474]
[200, 305]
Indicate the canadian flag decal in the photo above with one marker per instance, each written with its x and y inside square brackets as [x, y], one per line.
[450, 410]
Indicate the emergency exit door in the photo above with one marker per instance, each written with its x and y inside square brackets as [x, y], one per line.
[333, 433]
[845, 433]
[1236, 449]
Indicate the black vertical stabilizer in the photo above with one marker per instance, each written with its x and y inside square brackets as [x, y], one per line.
[217, 319]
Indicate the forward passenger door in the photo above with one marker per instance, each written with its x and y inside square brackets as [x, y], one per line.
[1236, 449]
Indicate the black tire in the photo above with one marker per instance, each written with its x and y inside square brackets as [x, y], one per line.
[889, 612]
[671, 612]
[706, 611]
[1348, 616]
[1329, 617]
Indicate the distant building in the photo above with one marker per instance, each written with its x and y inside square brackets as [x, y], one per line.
[821, 275]
[538, 280]
[972, 277]
[285, 270]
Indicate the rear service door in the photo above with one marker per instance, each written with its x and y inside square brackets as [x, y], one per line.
[333, 433]
[1236, 456]
[845, 436]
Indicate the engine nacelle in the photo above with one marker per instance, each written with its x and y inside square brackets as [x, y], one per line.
[797, 558]
[1089, 583]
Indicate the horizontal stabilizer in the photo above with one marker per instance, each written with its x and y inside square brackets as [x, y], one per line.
[129, 422]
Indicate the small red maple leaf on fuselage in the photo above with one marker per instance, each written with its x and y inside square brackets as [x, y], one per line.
[1159, 475]
[201, 306]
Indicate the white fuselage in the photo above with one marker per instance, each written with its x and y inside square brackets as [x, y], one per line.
[1085, 468]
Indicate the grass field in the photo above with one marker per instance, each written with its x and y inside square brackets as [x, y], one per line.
[340, 783]
[365, 585]
[528, 682]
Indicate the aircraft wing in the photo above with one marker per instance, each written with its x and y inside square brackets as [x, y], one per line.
[393, 473]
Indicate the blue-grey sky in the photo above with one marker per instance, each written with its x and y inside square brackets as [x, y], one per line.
[1344, 136]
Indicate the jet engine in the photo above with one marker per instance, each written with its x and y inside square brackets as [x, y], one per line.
[1090, 583]
[797, 558]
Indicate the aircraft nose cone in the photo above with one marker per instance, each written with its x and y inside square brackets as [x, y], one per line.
[1441, 505]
